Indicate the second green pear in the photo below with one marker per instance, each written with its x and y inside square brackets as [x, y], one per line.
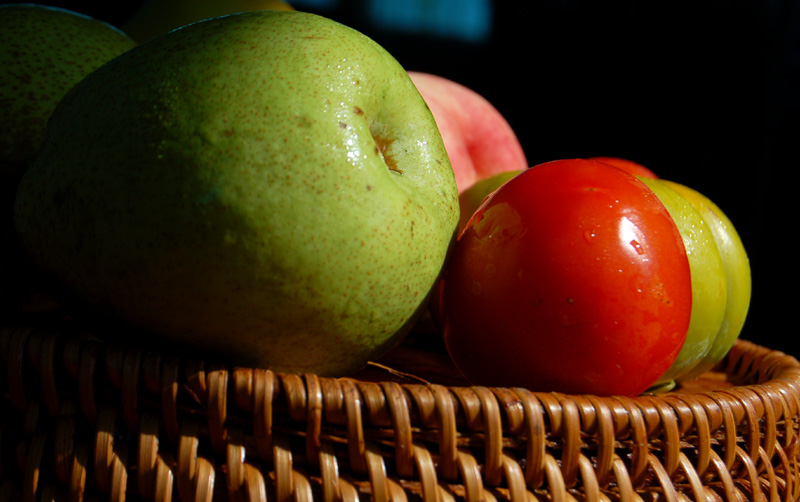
[156, 17]
[44, 51]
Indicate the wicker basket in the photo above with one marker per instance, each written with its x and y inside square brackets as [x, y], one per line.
[85, 420]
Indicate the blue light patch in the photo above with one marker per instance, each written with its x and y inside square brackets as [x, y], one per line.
[462, 20]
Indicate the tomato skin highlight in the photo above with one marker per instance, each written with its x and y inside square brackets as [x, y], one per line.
[572, 277]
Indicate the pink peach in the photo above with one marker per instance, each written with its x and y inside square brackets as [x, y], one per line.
[478, 139]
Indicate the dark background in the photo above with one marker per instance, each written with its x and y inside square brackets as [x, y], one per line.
[704, 93]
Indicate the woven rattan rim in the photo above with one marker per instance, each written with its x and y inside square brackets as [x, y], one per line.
[86, 420]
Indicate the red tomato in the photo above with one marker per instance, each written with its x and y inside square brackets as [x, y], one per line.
[572, 277]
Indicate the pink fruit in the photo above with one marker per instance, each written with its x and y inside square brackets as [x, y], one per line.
[478, 139]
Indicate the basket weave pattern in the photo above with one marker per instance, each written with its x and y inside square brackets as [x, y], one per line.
[87, 420]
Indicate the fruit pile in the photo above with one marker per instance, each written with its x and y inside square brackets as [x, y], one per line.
[271, 188]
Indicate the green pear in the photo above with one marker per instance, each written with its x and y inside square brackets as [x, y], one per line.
[709, 288]
[156, 17]
[44, 51]
[266, 187]
[737, 275]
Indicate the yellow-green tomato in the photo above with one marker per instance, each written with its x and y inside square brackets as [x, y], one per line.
[709, 284]
[737, 274]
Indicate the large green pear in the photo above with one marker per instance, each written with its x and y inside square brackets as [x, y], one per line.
[44, 51]
[267, 187]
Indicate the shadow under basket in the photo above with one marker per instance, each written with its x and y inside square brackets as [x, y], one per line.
[86, 420]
